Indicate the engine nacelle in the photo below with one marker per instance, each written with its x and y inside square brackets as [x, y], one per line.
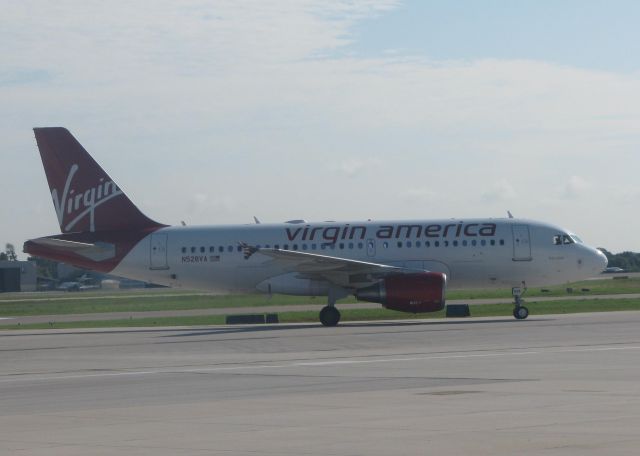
[420, 292]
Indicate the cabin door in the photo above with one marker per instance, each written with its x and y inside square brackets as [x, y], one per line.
[521, 243]
[159, 251]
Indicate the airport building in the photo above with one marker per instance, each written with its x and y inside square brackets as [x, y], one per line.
[17, 276]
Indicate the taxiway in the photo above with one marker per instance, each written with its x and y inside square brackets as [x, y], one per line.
[548, 385]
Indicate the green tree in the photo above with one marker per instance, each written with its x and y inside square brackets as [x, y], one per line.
[629, 261]
[10, 253]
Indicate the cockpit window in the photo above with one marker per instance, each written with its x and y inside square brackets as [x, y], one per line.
[577, 239]
[560, 239]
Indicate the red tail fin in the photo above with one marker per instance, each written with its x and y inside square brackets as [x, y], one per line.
[85, 198]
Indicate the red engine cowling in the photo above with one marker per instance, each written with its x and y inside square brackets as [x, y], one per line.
[421, 292]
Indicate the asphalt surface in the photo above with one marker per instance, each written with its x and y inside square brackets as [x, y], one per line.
[492, 386]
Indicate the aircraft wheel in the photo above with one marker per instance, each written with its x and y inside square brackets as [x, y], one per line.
[329, 316]
[520, 313]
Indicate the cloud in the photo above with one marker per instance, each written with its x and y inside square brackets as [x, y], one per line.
[355, 166]
[202, 206]
[499, 191]
[261, 103]
[575, 187]
[420, 194]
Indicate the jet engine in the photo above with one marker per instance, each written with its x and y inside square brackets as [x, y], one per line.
[419, 292]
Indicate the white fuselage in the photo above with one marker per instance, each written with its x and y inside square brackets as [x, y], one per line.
[478, 253]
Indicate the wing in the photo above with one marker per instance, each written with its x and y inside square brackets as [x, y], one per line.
[340, 271]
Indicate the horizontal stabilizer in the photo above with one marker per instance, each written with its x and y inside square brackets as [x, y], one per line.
[97, 252]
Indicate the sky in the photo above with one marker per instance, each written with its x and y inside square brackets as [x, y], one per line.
[212, 112]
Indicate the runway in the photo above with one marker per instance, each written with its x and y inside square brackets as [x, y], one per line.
[484, 386]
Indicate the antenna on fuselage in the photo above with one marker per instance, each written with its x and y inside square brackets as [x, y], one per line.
[182, 223]
[509, 214]
[256, 220]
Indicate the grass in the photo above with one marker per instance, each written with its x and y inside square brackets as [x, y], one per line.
[595, 287]
[489, 310]
[166, 299]
[32, 304]
[144, 303]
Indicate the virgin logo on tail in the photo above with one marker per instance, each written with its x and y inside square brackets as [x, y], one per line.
[79, 204]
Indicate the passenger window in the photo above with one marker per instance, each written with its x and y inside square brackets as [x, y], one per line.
[239, 248]
[351, 245]
[341, 245]
[184, 250]
[304, 246]
[427, 244]
[399, 244]
[277, 246]
[295, 246]
[360, 245]
[484, 242]
[446, 243]
[501, 241]
[455, 243]
[285, 247]
[230, 248]
[313, 246]
[385, 245]
[202, 250]
[220, 249]
[212, 249]
[474, 242]
[464, 243]
[418, 243]
[408, 243]
[437, 243]
[193, 250]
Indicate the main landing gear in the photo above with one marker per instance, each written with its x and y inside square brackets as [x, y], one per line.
[520, 312]
[329, 315]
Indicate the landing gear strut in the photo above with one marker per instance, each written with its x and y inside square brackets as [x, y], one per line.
[520, 312]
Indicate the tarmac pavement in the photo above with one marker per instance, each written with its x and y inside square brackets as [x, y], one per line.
[557, 384]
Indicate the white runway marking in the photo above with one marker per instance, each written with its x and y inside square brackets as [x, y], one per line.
[23, 378]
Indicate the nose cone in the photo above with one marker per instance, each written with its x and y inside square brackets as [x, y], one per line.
[600, 261]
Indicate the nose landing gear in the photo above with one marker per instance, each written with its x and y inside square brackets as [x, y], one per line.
[520, 312]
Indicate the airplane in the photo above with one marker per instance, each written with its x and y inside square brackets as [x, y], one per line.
[404, 265]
